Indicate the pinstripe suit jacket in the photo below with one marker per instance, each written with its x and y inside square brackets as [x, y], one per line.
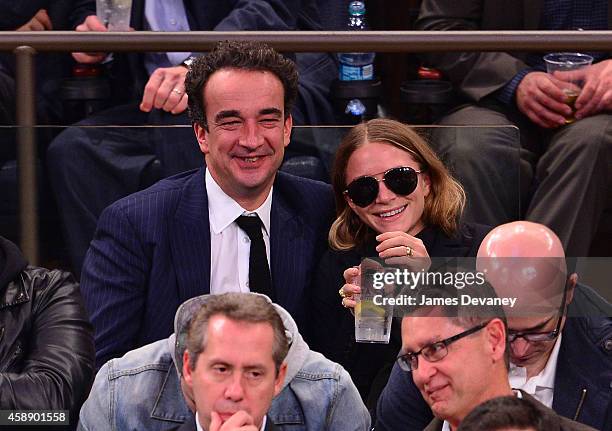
[151, 252]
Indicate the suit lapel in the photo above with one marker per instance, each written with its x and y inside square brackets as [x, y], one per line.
[286, 236]
[532, 10]
[190, 239]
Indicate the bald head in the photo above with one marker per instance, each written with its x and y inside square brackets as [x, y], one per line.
[521, 239]
[524, 260]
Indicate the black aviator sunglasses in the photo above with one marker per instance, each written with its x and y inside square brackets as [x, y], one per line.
[401, 181]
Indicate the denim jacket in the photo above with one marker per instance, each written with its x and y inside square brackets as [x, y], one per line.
[142, 391]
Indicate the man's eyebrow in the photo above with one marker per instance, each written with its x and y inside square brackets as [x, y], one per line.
[271, 111]
[428, 342]
[534, 328]
[221, 115]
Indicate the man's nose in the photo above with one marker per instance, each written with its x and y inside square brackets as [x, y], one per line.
[424, 372]
[519, 347]
[250, 136]
[234, 390]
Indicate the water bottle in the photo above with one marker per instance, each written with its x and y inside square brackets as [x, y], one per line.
[356, 66]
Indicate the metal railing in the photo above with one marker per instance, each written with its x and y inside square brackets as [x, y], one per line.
[25, 45]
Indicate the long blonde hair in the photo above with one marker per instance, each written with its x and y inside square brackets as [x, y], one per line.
[443, 206]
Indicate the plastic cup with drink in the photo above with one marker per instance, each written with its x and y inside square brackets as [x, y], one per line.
[568, 62]
[373, 316]
[114, 14]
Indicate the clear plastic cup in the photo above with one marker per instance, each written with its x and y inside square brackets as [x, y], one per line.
[114, 14]
[373, 317]
[571, 85]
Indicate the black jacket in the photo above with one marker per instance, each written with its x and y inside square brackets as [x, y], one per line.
[46, 340]
[331, 331]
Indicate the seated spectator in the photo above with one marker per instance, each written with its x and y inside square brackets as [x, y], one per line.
[458, 358]
[565, 175]
[150, 89]
[159, 386]
[569, 369]
[185, 235]
[394, 200]
[46, 340]
[50, 70]
[506, 413]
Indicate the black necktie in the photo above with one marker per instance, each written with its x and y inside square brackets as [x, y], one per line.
[260, 280]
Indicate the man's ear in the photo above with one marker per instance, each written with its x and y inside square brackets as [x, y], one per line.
[187, 369]
[496, 335]
[287, 127]
[202, 137]
[572, 281]
[280, 379]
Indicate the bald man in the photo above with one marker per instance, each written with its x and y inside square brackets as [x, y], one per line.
[567, 366]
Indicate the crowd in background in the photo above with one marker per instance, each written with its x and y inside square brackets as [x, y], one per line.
[156, 221]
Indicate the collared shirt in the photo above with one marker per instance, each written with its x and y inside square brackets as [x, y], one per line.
[165, 15]
[199, 427]
[542, 386]
[230, 246]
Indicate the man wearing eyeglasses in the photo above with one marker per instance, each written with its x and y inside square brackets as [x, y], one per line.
[564, 362]
[458, 359]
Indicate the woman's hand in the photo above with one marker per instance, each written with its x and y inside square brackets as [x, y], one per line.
[349, 289]
[399, 248]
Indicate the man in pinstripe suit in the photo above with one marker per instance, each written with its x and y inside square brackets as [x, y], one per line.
[154, 249]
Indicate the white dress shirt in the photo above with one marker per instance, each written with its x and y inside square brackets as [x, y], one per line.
[541, 386]
[230, 246]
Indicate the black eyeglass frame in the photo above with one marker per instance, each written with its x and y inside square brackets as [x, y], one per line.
[536, 337]
[405, 360]
[383, 179]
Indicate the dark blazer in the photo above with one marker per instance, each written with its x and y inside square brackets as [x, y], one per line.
[478, 74]
[151, 252]
[332, 326]
[584, 364]
[550, 421]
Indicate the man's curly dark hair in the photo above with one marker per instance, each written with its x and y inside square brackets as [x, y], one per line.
[243, 55]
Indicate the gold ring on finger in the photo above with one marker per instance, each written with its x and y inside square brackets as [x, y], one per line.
[342, 293]
[409, 251]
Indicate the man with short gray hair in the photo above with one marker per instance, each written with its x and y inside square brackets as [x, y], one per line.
[218, 369]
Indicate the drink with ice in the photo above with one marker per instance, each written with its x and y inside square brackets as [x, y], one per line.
[372, 322]
[114, 14]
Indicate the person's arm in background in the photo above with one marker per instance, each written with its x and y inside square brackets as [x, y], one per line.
[261, 15]
[58, 363]
[475, 74]
[166, 86]
[480, 74]
[14, 14]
